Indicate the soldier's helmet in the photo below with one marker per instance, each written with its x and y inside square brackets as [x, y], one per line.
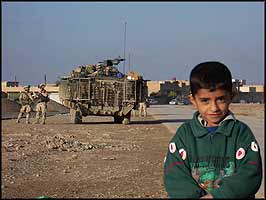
[41, 85]
[26, 87]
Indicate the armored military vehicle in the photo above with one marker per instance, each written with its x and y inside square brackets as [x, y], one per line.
[102, 90]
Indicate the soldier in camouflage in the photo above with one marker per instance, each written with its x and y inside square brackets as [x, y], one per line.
[41, 107]
[25, 100]
[142, 109]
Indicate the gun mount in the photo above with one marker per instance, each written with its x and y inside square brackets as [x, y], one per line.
[111, 62]
[102, 68]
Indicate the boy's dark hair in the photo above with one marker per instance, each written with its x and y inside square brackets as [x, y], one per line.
[210, 75]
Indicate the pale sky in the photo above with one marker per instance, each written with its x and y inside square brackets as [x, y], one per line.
[164, 39]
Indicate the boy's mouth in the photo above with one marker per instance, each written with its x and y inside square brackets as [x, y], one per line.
[215, 114]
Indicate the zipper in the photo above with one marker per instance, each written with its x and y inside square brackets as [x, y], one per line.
[211, 137]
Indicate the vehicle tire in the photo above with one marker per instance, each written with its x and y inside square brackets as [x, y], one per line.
[125, 121]
[126, 118]
[118, 119]
[115, 119]
[75, 116]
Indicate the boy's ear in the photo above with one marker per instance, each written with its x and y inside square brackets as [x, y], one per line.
[191, 99]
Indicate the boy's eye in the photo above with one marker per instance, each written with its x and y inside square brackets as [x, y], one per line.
[221, 99]
[204, 100]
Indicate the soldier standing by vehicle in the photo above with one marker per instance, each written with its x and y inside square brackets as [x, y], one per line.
[41, 107]
[25, 100]
[142, 109]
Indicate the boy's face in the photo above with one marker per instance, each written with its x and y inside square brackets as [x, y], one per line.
[213, 106]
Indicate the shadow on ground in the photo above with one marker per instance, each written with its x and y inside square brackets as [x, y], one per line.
[144, 122]
[160, 121]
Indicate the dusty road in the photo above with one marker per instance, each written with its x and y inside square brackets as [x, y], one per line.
[90, 160]
[96, 159]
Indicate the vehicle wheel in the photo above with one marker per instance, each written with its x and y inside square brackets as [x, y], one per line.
[75, 116]
[125, 121]
[126, 118]
[117, 119]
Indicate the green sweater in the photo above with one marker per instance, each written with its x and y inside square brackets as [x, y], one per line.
[226, 164]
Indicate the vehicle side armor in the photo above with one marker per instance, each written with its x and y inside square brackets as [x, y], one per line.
[102, 92]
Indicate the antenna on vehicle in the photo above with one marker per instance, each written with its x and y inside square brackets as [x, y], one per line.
[128, 62]
[124, 47]
[45, 79]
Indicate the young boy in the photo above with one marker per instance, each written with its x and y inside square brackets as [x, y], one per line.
[214, 155]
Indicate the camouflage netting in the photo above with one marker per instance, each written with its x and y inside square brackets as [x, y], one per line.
[94, 70]
[105, 68]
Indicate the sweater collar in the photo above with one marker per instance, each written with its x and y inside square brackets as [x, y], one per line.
[199, 125]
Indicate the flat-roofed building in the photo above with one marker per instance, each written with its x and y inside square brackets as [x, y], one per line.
[13, 88]
[9, 84]
[252, 88]
[170, 86]
[250, 94]
[244, 93]
[154, 86]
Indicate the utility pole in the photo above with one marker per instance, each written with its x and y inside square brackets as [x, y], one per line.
[16, 81]
[45, 79]
[124, 47]
[128, 62]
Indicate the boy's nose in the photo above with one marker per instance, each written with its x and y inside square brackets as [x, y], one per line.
[214, 107]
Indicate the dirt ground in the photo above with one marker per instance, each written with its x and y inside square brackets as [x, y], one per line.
[96, 159]
[254, 110]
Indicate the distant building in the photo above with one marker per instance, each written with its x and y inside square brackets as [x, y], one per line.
[243, 93]
[154, 86]
[10, 84]
[237, 84]
[252, 88]
[250, 94]
[158, 86]
[183, 83]
[14, 87]
[169, 86]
